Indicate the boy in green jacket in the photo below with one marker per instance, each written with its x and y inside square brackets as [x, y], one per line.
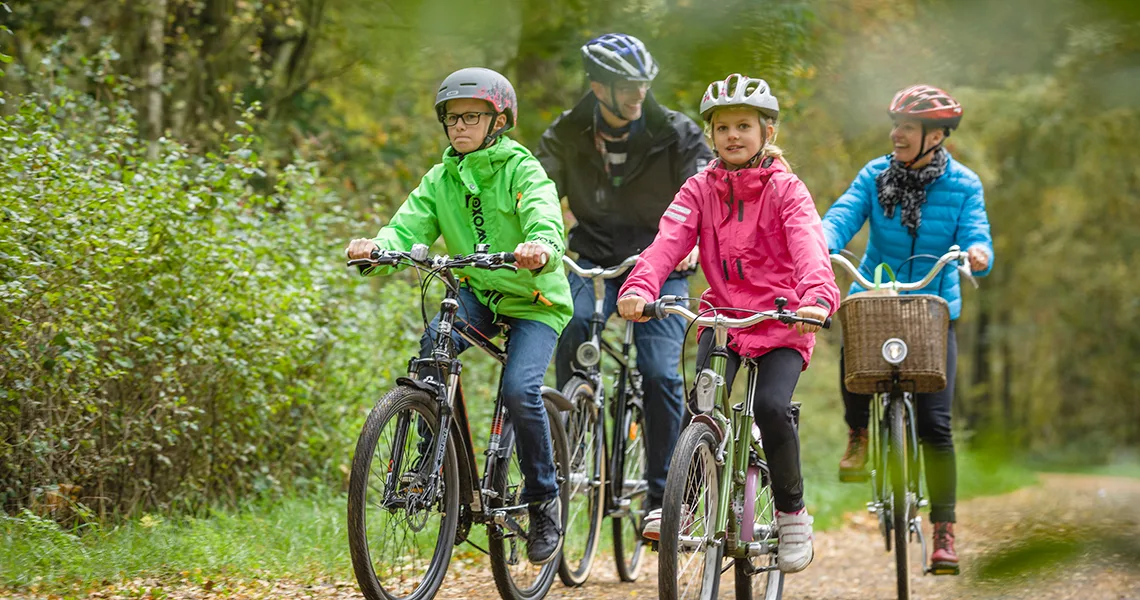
[489, 189]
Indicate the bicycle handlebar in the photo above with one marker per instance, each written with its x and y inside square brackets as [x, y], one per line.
[490, 261]
[670, 305]
[609, 273]
[954, 255]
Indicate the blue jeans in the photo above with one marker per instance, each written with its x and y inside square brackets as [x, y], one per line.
[658, 345]
[530, 347]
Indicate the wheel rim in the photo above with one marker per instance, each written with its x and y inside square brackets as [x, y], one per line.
[585, 496]
[412, 532]
[634, 489]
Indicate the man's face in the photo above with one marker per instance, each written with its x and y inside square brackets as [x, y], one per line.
[627, 97]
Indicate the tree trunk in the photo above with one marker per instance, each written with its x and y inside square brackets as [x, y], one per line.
[156, 29]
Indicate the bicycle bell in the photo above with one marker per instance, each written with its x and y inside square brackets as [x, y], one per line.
[419, 252]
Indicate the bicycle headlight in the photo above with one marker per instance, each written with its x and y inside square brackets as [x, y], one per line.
[588, 354]
[894, 351]
[705, 390]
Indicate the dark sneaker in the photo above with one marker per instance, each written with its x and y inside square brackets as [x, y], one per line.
[544, 539]
[944, 560]
[853, 465]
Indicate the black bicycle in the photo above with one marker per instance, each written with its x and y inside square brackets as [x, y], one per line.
[414, 490]
[607, 475]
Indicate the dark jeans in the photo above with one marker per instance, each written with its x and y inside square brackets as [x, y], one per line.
[933, 421]
[658, 344]
[774, 378]
[530, 346]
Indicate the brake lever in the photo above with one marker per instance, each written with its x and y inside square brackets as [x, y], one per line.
[968, 274]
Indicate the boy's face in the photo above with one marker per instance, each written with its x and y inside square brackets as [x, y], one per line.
[467, 138]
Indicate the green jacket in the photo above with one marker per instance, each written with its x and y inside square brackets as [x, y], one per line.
[499, 196]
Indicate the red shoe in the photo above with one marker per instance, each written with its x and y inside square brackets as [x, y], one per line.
[853, 465]
[944, 561]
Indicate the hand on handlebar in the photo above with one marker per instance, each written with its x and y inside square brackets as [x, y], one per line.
[630, 307]
[360, 248]
[691, 260]
[809, 312]
[531, 255]
[979, 260]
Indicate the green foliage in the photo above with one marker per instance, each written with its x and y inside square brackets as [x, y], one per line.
[172, 336]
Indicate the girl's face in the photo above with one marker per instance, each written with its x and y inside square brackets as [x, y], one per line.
[906, 138]
[738, 134]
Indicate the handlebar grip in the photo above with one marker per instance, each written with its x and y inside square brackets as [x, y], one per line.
[508, 258]
[654, 310]
[827, 323]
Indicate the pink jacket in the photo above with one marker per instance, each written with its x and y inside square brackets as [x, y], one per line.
[760, 237]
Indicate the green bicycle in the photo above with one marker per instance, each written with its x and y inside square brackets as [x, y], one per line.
[718, 502]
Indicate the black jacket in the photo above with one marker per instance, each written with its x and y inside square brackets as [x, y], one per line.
[614, 223]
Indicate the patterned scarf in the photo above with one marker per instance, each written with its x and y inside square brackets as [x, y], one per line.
[900, 185]
[613, 144]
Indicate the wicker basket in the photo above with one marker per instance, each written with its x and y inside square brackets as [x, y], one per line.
[921, 321]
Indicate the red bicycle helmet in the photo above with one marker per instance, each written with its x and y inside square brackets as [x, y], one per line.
[931, 105]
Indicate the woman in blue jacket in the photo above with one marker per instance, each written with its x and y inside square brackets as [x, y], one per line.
[919, 201]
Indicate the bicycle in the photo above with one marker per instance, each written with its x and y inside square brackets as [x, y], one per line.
[881, 362]
[593, 456]
[430, 504]
[718, 496]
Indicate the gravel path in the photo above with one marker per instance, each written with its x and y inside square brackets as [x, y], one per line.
[1089, 525]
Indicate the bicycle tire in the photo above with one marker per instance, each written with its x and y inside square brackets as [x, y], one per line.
[392, 584]
[900, 509]
[769, 585]
[629, 546]
[696, 447]
[586, 443]
[506, 550]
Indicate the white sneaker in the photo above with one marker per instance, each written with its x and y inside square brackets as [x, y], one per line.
[796, 539]
[651, 526]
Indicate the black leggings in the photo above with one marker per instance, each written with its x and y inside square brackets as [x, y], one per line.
[775, 375]
[933, 420]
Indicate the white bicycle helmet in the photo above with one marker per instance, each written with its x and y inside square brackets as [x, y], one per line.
[617, 56]
[739, 90]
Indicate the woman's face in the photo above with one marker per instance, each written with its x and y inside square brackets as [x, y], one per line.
[738, 134]
[906, 138]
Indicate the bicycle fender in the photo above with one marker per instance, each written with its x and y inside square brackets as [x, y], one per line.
[426, 388]
[555, 399]
[711, 422]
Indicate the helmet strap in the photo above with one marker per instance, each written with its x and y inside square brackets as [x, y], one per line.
[493, 135]
[613, 109]
[922, 150]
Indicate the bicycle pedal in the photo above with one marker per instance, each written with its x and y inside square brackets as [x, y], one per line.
[943, 570]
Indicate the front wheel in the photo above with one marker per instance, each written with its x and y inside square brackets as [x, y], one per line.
[586, 443]
[400, 534]
[515, 577]
[900, 503]
[688, 565]
[630, 460]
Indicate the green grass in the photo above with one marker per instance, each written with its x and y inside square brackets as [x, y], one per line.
[303, 539]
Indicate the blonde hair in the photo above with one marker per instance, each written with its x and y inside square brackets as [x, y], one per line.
[770, 149]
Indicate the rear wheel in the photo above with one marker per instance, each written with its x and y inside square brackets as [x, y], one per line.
[689, 562]
[758, 578]
[630, 456]
[900, 502]
[399, 538]
[587, 477]
[515, 577]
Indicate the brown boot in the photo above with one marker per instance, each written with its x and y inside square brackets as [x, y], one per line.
[944, 561]
[853, 466]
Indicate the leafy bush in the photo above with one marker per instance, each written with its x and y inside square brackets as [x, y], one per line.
[172, 334]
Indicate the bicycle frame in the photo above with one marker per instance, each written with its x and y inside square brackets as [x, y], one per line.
[618, 499]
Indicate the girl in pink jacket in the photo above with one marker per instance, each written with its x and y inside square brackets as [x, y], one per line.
[759, 238]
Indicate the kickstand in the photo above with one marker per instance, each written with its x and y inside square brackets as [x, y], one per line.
[916, 527]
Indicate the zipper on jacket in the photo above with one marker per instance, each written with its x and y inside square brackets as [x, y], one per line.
[739, 269]
[724, 265]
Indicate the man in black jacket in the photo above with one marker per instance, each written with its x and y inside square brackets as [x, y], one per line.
[619, 157]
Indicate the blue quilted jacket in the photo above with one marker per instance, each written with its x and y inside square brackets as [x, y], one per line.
[954, 213]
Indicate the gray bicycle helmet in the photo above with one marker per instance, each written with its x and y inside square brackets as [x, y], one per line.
[739, 90]
[480, 84]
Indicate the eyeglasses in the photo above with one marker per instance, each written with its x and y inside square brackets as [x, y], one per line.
[469, 118]
[631, 87]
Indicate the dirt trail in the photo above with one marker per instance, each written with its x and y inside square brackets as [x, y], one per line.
[1094, 521]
